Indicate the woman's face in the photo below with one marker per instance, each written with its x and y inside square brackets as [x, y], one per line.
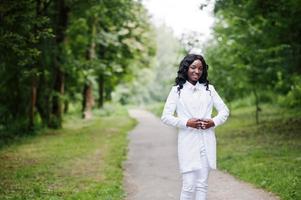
[195, 71]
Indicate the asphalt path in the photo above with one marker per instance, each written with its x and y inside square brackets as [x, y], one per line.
[152, 173]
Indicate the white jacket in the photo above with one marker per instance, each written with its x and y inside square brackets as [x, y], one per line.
[194, 101]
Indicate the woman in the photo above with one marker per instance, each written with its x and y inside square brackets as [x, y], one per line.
[192, 98]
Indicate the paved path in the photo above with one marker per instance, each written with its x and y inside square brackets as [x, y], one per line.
[151, 171]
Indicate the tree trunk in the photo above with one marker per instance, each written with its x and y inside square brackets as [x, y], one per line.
[42, 99]
[66, 106]
[100, 91]
[57, 100]
[34, 79]
[56, 117]
[88, 101]
[33, 100]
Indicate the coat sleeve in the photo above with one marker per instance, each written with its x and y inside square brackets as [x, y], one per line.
[169, 110]
[222, 109]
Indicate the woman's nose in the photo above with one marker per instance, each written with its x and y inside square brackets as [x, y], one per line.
[197, 71]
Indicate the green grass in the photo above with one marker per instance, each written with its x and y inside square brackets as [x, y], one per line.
[81, 161]
[267, 155]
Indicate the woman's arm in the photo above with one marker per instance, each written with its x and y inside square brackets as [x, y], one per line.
[222, 109]
[169, 110]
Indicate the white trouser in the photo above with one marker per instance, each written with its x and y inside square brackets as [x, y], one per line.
[196, 182]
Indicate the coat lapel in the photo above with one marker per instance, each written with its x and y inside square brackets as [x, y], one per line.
[186, 107]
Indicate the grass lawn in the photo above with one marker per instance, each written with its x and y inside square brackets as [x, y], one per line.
[81, 161]
[267, 155]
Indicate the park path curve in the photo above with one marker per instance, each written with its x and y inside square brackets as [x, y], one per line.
[151, 170]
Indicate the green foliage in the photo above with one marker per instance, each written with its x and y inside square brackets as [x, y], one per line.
[292, 99]
[152, 84]
[21, 31]
[256, 49]
[51, 50]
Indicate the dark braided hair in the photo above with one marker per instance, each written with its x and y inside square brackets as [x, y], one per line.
[183, 69]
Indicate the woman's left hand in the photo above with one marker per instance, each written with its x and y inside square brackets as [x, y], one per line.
[207, 123]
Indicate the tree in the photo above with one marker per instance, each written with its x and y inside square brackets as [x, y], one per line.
[57, 52]
[251, 46]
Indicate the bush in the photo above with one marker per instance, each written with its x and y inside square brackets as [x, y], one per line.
[293, 97]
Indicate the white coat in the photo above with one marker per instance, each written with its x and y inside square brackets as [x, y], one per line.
[194, 101]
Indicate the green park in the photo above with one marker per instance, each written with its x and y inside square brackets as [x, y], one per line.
[71, 70]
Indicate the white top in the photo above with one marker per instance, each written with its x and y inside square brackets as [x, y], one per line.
[194, 101]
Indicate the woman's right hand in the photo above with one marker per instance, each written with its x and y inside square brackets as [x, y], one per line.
[194, 123]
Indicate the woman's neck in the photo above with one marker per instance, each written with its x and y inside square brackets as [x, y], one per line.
[192, 82]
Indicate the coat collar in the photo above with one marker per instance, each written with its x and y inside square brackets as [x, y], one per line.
[190, 86]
